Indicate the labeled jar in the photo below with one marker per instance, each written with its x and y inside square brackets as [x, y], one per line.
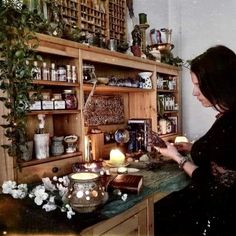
[70, 99]
[61, 73]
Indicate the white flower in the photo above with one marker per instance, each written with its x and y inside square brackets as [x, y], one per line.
[48, 184]
[62, 190]
[7, 186]
[124, 197]
[70, 212]
[54, 178]
[50, 205]
[43, 194]
[18, 193]
[40, 194]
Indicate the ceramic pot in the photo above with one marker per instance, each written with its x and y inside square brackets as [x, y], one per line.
[86, 192]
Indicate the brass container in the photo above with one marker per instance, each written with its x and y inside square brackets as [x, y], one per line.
[86, 192]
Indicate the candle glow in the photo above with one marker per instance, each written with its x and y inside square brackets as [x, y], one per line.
[84, 176]
[117, 158]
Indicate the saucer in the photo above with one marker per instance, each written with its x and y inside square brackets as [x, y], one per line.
[129, 170]
[109, 164]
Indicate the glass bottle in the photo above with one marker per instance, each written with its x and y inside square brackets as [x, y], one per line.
[68, 73]
[45, 72]
[53, 72]
[73, 76]
[36, 72]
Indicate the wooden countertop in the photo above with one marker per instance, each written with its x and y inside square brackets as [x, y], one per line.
[21, 217]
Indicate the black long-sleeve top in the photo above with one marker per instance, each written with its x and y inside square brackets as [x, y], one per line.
[215, 178]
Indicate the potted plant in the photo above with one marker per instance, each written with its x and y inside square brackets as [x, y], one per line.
[17, 44]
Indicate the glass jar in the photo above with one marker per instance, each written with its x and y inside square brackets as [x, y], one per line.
[70, 99]
[61, 73]
[57, 147]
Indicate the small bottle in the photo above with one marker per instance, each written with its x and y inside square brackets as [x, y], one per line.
[36, 72]
[74, 76]
[68, 73]
[53, 72]
[45, 72]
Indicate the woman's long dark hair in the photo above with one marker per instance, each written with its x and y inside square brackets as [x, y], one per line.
[216, 73]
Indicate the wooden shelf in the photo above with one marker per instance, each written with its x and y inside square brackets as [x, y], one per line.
[55, 83]
[53, 112]
[115, 89]
[50, 159]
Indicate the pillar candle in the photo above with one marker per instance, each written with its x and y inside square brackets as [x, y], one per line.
[142, 18]
[117, 158]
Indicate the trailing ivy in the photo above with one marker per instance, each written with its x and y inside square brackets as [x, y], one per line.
[17, 52]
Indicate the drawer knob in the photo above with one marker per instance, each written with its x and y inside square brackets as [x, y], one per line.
[55, 169]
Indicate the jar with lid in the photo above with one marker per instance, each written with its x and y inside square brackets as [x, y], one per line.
[70, 99]
[57, 147]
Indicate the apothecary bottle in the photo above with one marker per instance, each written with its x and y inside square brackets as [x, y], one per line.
[73, 74]
[45, 72]
[70, 99]
[53, 72]
[36, 72]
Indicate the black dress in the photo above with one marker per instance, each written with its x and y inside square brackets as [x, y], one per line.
[208, 205]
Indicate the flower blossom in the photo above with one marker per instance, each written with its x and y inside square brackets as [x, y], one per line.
[7, 186]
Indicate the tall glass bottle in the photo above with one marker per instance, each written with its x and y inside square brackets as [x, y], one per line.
[45, 72]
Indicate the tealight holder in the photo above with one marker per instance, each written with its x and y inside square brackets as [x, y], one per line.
[71, 141]
[86, 192]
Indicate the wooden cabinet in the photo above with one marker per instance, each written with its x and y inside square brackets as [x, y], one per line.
[138, 103]
[168, 103]
[137, 221]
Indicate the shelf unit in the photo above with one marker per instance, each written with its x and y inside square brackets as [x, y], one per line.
[138, 103]
[106, 17]
[169, 103]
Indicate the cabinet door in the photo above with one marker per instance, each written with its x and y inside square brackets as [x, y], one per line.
[134, 226]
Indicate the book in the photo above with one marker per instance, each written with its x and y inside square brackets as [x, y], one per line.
[126, 183]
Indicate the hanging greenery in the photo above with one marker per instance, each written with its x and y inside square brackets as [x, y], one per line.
[17, 53]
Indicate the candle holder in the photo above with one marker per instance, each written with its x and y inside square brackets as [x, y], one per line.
[71, 141]
[143, 28]
[86, 192]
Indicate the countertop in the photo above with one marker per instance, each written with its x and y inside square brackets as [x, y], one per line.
[25, 217]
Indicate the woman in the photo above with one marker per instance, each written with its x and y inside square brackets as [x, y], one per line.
[208, 205]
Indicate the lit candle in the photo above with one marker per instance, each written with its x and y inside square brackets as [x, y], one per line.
[181, 139]
[84, 176]
[117, 158]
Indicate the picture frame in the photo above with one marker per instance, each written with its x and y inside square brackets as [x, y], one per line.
[174, 123]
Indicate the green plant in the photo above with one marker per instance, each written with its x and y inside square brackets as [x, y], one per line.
[17, 52]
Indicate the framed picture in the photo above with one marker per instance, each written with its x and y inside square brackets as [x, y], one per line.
[174, 123]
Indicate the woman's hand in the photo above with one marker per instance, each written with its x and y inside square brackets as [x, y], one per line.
[170, 151]
[183, 147]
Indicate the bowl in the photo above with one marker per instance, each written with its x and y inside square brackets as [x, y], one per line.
[145, 75]
[165, 47]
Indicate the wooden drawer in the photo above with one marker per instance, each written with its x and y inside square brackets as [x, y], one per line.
[135, 226]
[34, 173]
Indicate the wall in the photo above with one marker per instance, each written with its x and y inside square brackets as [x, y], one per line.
[197, 25]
